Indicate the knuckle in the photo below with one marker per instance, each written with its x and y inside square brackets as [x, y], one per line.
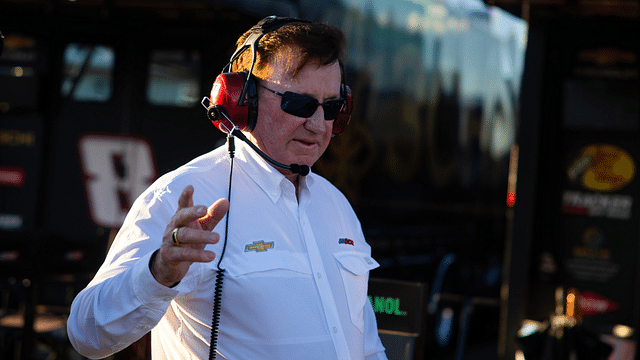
[184, 234]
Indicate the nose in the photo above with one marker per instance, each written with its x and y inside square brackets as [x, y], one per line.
[316, 123]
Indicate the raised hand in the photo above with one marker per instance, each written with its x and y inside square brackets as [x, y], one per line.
[184, 246]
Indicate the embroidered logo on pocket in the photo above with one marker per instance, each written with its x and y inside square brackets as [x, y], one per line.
[258, 246]
[346, 241]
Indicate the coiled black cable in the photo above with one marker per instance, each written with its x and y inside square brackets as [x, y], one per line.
[217, 303]
[217, 297]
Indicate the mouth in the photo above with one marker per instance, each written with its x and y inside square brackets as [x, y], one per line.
[305, 142]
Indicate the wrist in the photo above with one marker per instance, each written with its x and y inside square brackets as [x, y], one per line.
[152, 261]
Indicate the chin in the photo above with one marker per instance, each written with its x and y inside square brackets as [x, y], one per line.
[304, 160]
[308, 160]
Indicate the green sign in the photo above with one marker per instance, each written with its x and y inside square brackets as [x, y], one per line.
[397, 304]
[387, 305]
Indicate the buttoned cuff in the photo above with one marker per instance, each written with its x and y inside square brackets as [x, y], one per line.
[147, 289]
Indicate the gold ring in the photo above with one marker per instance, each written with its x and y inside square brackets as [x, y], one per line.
[174, 236]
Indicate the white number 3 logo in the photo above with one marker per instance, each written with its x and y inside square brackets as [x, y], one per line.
[117, 169]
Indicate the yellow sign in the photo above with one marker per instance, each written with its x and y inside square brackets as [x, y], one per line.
[10, 137]
[602, 167]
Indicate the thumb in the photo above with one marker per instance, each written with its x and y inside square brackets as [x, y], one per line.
[215, 213]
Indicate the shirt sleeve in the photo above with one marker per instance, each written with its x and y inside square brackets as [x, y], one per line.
[123, 301]
[374, 350]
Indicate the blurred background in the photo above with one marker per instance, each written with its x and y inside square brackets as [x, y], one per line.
[491, 158]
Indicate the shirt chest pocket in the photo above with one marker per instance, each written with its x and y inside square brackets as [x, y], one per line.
[273, 263]
[354, 268]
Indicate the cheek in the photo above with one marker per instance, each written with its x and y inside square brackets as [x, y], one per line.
[325, 142]
[328, 133]
[276, 130]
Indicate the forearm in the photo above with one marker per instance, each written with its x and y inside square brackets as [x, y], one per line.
[115, 312]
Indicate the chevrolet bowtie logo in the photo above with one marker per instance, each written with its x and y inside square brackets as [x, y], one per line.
[258, 246]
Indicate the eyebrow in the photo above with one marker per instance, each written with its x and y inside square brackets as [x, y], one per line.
[333, 97]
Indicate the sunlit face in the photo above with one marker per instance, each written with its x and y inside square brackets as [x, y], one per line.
[287, 138]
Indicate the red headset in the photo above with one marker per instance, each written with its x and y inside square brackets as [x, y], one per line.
[235, 94]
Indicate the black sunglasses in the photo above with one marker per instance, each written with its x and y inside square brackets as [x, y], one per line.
[305, 106]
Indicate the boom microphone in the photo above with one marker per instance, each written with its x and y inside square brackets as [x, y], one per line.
[294, 168]
[217, 112]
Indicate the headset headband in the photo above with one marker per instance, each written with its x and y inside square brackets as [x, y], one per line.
[266, 25]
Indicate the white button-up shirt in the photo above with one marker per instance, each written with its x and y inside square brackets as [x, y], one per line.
[296, 272]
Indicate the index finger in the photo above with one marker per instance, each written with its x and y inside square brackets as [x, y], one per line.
[186, 198]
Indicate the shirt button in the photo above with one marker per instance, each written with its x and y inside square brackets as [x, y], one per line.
[335, 330]
[319, 276]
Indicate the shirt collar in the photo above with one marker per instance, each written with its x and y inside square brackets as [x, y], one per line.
[265, 175]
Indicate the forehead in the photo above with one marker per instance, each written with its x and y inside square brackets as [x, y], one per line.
[313, 74]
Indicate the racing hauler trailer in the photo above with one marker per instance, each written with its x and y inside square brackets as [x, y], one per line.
[98, 98]
[573, 259]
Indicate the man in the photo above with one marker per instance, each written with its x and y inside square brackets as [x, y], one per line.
[294, 257]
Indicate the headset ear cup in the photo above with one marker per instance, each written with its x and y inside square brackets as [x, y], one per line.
[225, 95]
[344, 116]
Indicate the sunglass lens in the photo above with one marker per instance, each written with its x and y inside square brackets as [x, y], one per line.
[305, 106]
[331, 109]
[298, 105]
